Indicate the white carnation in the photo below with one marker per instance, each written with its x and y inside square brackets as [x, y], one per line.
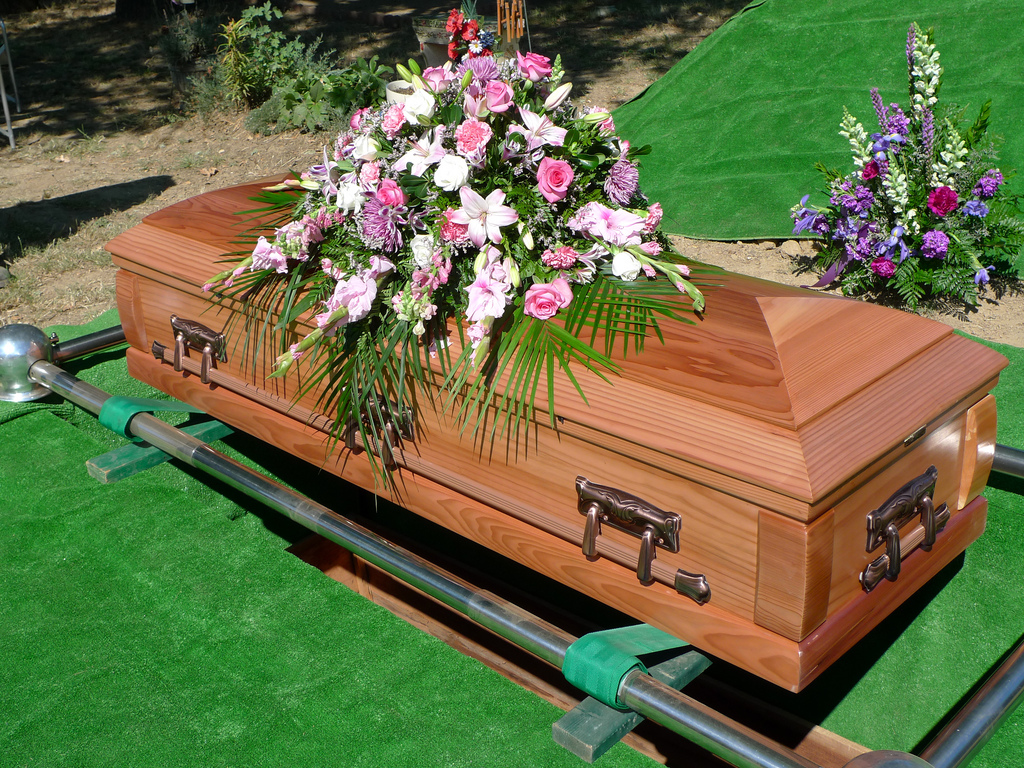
[422, 250]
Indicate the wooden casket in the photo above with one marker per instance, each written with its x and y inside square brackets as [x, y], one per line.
[768, 484]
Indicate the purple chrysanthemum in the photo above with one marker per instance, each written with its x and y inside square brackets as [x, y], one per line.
[622, 182]
[934, 244]
[380, 226]
[483, 68]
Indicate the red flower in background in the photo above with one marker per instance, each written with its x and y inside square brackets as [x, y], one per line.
[455, 20]
[469, 30]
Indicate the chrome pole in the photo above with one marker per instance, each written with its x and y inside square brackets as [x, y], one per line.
[682, 714]
[84, 345]
[981, 716]
[1008, 461]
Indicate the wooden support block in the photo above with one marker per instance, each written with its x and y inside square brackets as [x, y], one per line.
[138, 457]
[591, 728]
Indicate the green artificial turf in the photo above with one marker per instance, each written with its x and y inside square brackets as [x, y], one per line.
[155, 623]
[737, 126]
[151, 623]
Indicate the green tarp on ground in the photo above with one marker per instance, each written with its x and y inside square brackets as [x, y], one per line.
[738, 124]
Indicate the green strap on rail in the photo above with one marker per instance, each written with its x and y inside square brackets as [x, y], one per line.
[118, 412]
[597, 663]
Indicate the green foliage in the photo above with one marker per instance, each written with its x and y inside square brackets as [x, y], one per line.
[254, 56]
[288, 84]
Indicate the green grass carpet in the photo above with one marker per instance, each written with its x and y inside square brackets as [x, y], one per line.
[152, 623]
[738, 124]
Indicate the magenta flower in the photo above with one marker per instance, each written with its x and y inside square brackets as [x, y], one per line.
[484, 216]
[942, 200]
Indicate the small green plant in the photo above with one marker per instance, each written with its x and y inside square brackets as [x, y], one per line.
[314, 101]
[254, 56]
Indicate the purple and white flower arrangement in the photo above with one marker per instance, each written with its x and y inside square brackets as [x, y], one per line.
[485, 227]
[925, 206]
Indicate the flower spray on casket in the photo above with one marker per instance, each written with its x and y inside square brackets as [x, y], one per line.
[486, 199]
[925, 214]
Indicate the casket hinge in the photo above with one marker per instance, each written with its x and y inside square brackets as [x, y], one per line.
[188, 334]
[912, 500]
[656, 529]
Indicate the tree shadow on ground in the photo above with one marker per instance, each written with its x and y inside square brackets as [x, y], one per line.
[39, 223]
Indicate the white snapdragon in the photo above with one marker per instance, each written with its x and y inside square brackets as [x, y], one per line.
[925, 74]
[860, 145]
[896, 191]
[951, 157]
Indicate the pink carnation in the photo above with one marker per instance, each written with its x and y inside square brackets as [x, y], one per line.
[393, 120]
[452, 232]
[471, 138]
[561, 258]
[543, 300]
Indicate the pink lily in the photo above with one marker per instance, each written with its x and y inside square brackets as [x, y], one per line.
[538, 130]
[423, 153]
[484, 216]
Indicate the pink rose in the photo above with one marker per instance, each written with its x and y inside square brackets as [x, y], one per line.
[499, 96]
[543, 300]
[438, 78]
[553, 179]
[942, 201]
[870, 171]
[389, 193]
[533, 66]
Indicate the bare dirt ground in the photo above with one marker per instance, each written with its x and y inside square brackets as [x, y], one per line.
[102, 139]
